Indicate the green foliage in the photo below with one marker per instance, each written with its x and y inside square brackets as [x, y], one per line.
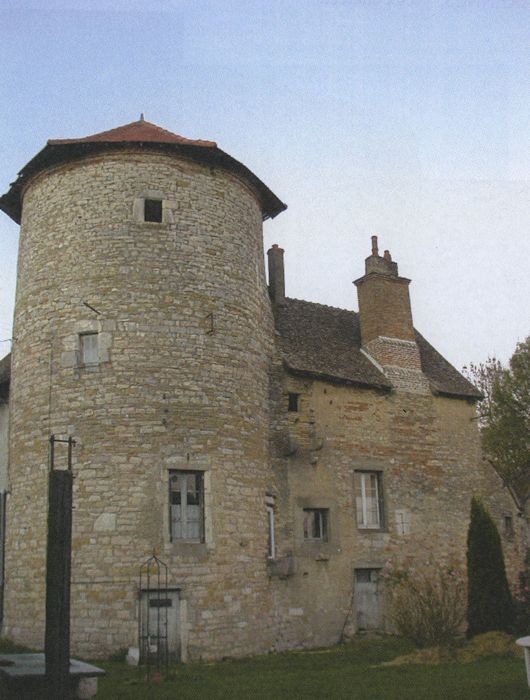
[504, 418]
[480, 647]
[522, 599]
[489, 602]
[428, 608]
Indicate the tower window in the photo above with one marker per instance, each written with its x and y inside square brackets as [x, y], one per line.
[88, 346]
[186, 506]
[294, 402]
[153, 210]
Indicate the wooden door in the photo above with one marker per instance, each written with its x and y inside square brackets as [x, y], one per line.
[368, 605]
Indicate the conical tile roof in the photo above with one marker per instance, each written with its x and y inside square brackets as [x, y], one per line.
[139, 134]
[139, 131]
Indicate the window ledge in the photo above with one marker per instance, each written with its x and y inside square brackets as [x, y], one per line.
[182, 548]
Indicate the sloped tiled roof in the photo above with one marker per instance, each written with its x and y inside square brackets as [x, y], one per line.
[139, 134]
[325, 342]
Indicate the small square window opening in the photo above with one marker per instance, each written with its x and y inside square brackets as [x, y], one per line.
[88, 347]
[294, 402]
[316, 524]
[153, 210]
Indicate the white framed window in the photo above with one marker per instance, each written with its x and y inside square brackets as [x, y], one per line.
[3, 497]
[369, 500]
[316, 524]
[272, 532]
[186, 506]
[88, 348]
[271, 524]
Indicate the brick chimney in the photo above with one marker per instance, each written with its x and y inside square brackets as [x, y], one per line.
[276, 275]
[384, 302]
[387, 332]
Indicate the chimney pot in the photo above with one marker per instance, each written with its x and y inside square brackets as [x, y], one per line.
[375, 250]
[387, 256]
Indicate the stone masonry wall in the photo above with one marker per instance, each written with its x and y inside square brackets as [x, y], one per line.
[187, 379]
[426, 449]
[185, 333]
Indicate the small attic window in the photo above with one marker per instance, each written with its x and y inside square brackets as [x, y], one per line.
[294, 402]
[153, 210]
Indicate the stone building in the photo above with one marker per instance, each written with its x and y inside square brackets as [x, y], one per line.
[277, 454]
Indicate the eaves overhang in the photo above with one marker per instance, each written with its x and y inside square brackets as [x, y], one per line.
[59, 153]
[336, 378]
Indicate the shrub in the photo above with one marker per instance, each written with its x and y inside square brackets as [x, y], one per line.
[522, 599]
[489, 601]
[428, 608]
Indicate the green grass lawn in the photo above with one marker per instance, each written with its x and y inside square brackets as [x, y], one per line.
[349, 671]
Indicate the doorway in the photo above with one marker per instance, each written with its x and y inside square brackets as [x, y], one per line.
[160, 623]
[368, 599]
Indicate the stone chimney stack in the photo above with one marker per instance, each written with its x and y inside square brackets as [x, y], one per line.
[387, 332]
[276, 275]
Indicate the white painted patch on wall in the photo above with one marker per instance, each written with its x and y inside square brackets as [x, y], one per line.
[402, 522]
[105, 522]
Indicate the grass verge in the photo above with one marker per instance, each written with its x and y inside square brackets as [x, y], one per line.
[349, 671]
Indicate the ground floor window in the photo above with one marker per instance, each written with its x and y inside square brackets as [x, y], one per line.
[186, 505]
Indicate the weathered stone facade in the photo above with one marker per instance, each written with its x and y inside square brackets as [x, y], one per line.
[191, 377]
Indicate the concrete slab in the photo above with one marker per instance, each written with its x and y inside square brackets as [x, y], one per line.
[23, 676]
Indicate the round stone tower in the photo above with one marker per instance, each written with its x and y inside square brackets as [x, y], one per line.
[143, 329]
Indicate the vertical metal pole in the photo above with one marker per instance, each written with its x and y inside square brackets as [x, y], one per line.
[52, 451]
[71, 443]
[58, 569]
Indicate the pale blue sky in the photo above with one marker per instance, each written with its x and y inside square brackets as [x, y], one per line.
[409, 120]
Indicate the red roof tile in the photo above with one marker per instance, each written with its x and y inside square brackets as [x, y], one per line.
[136, 131]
